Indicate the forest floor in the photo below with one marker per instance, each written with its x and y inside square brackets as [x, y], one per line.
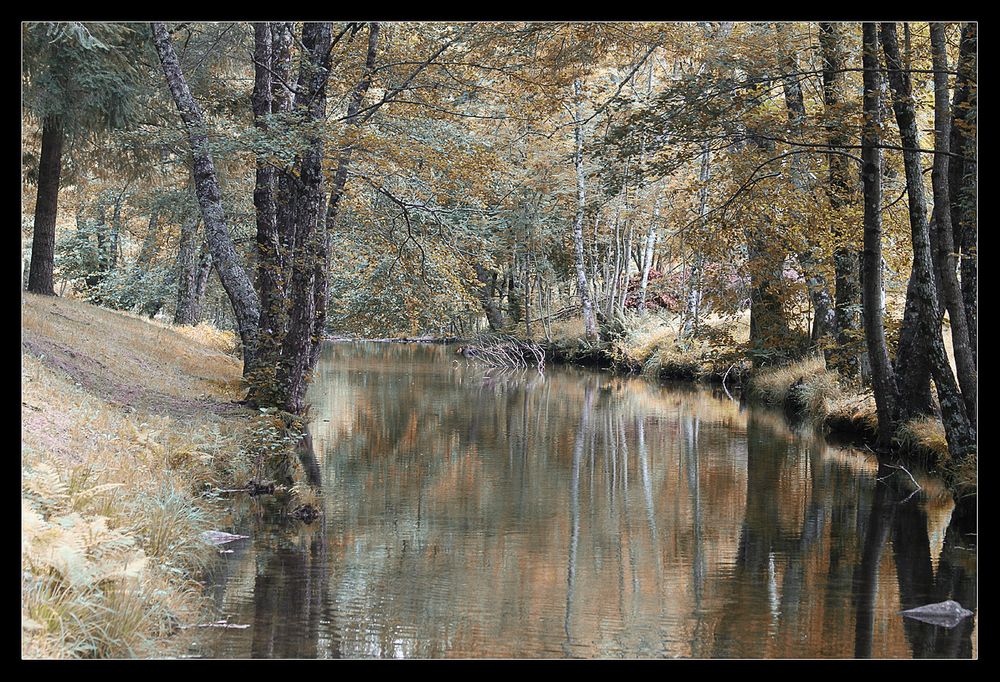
[129, 431]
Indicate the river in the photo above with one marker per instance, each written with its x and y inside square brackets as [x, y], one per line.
[577, 514]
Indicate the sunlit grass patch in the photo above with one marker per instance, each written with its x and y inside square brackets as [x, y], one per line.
[925, 436]
[805, 388]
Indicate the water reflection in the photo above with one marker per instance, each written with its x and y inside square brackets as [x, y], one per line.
[478, 514]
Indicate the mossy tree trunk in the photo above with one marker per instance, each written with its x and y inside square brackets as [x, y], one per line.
[234, 278]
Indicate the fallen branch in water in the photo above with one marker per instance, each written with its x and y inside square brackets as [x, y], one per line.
[505, 352]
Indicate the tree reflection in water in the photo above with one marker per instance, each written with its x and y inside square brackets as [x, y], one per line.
[469, 513]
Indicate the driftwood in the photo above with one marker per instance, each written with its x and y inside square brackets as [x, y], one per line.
[504, 352]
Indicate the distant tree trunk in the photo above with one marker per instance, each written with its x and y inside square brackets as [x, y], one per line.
[485, 289]
[184, 312]
[322, 283]
[819, 294]
[947, 252]
[771, 335]
[847, 286]
[692, 307]
[647, 254]
[922, 289]
[589, 321]
[43, 240]
[963, 179]
[201, 281]
[883, 378]
[233, 276]
[310, 228]
[151, 242]
[913, 369]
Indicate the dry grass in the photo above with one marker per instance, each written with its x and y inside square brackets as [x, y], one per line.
[129, 360]
[925, 436]
[117, 467]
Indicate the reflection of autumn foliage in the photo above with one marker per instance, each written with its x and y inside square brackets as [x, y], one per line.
[481, 514]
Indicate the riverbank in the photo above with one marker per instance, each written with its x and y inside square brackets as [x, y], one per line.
[131, 430]
[805, 390]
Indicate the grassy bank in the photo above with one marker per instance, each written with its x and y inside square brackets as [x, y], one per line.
[129, 429]
[806, 390]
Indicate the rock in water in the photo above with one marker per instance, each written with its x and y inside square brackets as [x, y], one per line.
[217, 537]
[947, 614]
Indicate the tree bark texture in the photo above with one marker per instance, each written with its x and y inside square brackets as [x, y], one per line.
[293, 370]
[912, 357]
[43, 240]
[922, 295]
[234, 278]
[947, 251]
[824, 312]
[270, 280]
[883, 379]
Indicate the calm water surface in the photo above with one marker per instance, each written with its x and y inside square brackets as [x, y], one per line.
[474, 514]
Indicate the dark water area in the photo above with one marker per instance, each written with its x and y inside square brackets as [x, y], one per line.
[576, 514]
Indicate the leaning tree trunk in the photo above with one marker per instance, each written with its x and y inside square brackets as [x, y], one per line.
[960, 433]
[43, 241]
[883, 378]
[947, 253]
[233, 276]
[589, 321]
[847, 284]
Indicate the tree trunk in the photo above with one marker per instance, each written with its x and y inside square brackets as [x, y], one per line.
[184, 313]
[43, 240]
[322, 282]
[883, 378]
[647, 254]
[963, 180]
[912, 368]
[310, 229]
[233, 276]
[270, 281]
[201, 281]
[485, 288]
[847, 284]
[947, 253]
[922, 290]
[589, 322]
[824, 316]
[771, 336]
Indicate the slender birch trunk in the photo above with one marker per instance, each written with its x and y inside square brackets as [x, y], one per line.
[589, 322]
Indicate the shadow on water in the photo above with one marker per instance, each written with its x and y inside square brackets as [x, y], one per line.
[470, 513]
